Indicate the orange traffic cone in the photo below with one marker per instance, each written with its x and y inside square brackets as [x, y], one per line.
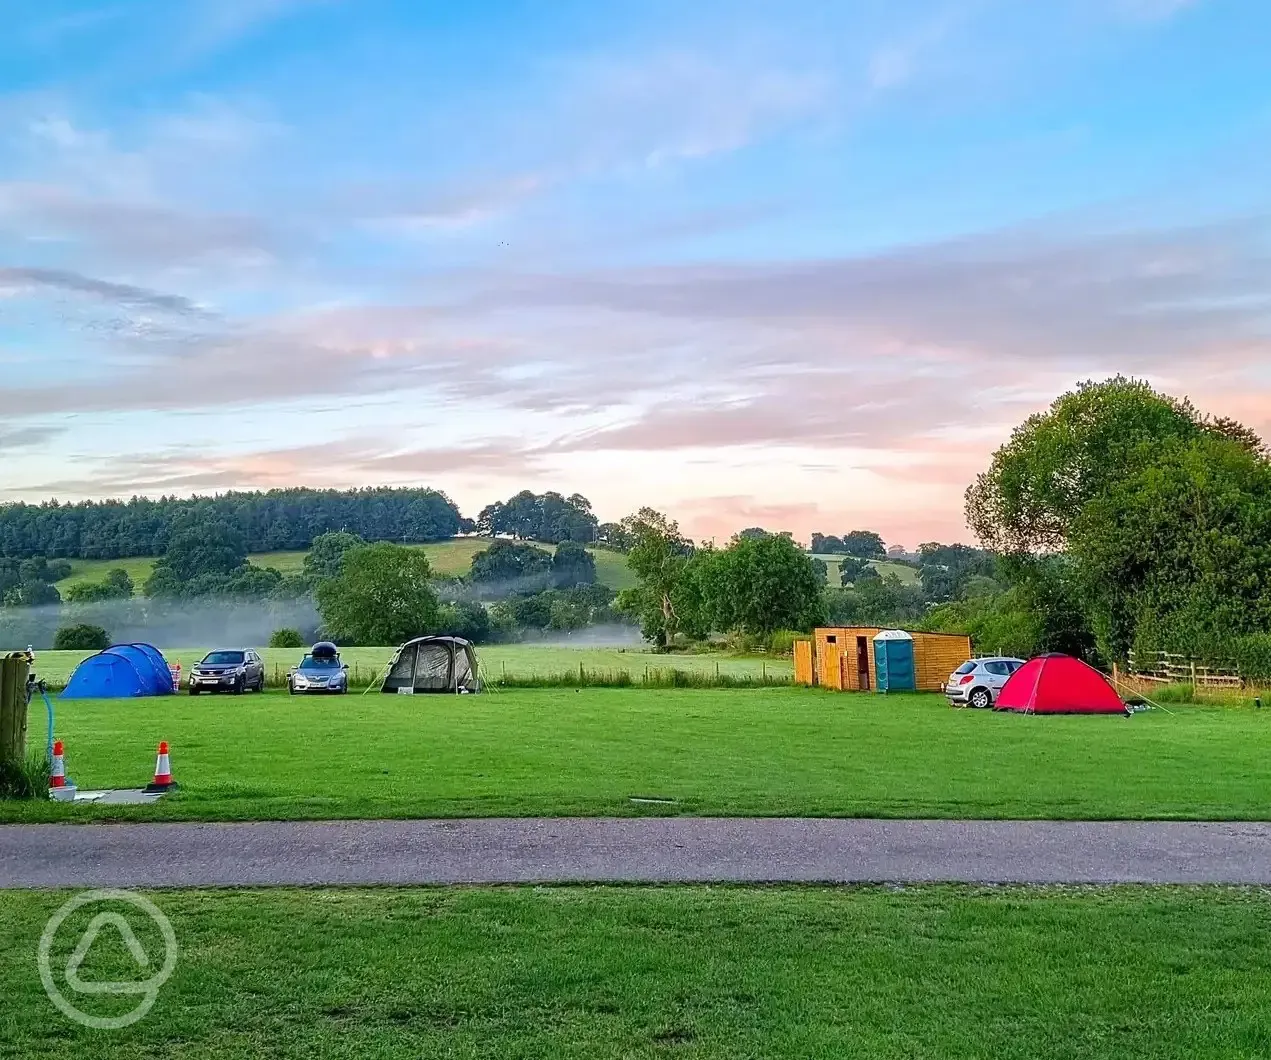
[57, 779]
[162, 771]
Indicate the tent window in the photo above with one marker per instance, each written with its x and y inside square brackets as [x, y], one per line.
[463, 671]
[432, 667]
[403, 666]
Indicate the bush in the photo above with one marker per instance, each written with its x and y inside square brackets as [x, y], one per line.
[286, 638]
[782, 641]
[83, 637]
[1253, 657]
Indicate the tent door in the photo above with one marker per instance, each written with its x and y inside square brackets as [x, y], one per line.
[862, 663]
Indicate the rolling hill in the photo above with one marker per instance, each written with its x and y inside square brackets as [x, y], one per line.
[450, 558]
[908, 575]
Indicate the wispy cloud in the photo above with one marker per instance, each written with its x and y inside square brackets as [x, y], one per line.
[27, 437]
[20, 280]
[680, 105]
[339, 463]
[131, 232]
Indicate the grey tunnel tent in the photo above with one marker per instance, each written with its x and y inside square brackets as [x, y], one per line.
[433, 664]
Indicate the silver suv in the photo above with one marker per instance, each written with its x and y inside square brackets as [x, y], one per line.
[977, 682]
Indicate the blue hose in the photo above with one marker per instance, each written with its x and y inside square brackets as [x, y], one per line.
[49, 704]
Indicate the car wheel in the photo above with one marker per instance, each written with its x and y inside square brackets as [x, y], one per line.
[981, 698]
[238, 687]
[260, 683]
[193, 691]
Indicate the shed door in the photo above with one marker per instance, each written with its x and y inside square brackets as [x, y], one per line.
[862, 663]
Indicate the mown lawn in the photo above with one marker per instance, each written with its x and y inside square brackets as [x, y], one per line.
[594, 972]
[449, 558]
[526, 752]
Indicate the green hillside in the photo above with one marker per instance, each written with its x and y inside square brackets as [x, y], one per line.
[908, 575]
[450, 558]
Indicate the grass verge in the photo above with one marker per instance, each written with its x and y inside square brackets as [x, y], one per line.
[703, 972]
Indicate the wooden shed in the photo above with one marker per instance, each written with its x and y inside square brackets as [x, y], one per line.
[842, 658]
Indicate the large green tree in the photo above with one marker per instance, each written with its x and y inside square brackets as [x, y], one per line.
[197, 549]
[1087, 442]
[1178, 555]
[864, 544]
[325, 559]
[513, 565]
[572, 565]
[383, 595]
[1162, 515]
[658, 556]
[758, 585]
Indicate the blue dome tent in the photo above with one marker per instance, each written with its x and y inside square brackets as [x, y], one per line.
[120, 672]
[157, 662]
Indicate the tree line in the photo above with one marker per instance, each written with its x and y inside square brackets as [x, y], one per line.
[271, 521]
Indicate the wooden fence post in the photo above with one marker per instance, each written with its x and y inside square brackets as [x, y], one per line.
[13, 673]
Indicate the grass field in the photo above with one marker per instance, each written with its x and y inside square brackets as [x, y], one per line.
[706, 972]
[450, 558]
[515, 660]
[908, 575]
[529, 752]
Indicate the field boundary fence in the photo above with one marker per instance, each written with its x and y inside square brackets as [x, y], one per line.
[1169, 668]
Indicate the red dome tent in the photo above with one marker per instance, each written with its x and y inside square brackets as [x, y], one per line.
[1058, 684]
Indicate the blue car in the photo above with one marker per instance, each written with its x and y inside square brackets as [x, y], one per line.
[319, 671]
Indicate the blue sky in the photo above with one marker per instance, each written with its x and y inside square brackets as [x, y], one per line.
[800, 265]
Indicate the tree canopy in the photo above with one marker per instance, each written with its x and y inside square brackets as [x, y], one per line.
[540, 517]
[511, 566]
[572, 565]
[325, 559]
[863, 544]
[383, 595]
[758, 585]
[1162, 517]
[658, 556]
[1086, 443]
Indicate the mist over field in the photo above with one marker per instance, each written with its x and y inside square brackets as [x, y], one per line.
[612, 636]
[210, 621]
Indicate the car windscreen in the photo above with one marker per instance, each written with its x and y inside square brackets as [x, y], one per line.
[966, 667]
[224, 658]
[322, 662]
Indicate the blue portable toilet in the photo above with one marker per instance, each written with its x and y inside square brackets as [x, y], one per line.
[122, 671]
[894, 668]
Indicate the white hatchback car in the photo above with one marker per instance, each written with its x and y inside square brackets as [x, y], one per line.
[977, 682]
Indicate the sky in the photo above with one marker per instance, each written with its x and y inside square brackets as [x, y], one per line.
[800, 265]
